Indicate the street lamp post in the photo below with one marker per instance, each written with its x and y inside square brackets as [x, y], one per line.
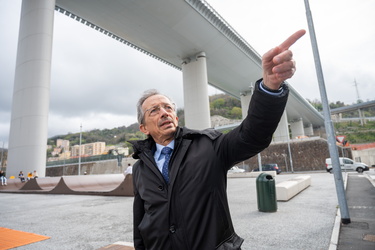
[260, 162]
[290, 154]
[79, 156]
[63, 168]
[333, 151]
[286, 163]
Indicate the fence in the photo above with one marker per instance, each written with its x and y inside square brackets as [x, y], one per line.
[83, 159]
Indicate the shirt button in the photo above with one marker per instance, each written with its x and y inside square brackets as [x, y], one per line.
[161, 188]
[172, 229]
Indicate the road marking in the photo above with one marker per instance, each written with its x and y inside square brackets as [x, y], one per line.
[362, 207]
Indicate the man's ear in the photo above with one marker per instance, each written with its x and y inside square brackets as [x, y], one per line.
[143, 129]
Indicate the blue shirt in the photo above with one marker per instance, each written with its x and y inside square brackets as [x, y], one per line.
[280, 90]
[159, 158]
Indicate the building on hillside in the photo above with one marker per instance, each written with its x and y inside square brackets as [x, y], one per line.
[60, 143]
[117, 150]
[109, 149]
[95, 148]
[56, 151]
[123, 150]
[64, 155]
[364, 153]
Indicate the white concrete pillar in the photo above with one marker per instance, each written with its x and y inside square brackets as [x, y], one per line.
[297, 128]
[309, 130]
[245, 102]
[282, 131]
[29, 119]
[336, 117]
[361, 118]
[196, 101]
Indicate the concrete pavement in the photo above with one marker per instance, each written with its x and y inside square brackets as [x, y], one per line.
[307, 221]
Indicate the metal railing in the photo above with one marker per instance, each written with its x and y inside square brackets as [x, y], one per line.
[83, 159]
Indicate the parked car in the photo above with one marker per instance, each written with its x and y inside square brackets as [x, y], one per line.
[235, 169]
[347, 164]
[269, 167]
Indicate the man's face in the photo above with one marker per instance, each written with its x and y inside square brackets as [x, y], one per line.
[160, 120]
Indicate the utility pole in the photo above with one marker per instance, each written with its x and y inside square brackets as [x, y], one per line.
[356, 88]
[359, 101]
[333, 151]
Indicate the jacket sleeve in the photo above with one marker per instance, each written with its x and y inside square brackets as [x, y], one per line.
[255, 132]
[138, 212]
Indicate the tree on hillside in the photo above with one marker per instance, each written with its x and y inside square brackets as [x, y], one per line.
[225, 106]
[317, 104]
[236, 113]
[338, 104]
[217, 104]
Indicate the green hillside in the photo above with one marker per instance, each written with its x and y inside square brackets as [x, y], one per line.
[228, 107]
[355, 132]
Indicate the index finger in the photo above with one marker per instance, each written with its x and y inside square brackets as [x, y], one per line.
[291, 40]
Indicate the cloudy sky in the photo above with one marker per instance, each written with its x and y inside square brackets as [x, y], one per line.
[96, 81]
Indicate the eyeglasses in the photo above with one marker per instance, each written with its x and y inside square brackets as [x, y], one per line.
[155, 110]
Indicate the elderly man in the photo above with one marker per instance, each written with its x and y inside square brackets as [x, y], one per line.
[180, 179]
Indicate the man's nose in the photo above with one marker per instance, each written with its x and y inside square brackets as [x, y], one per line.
[163, 112]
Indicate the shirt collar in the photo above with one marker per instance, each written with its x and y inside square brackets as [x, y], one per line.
[160, 147]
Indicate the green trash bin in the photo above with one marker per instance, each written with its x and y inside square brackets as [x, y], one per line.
[266, 193]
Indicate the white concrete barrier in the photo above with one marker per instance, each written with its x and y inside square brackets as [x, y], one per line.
[290, 188]
[257, 173]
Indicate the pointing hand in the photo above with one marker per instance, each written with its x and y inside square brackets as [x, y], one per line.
[278, 64]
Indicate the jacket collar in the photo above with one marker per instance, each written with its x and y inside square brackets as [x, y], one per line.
[181, 133]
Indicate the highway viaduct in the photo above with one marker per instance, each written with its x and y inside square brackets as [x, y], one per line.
[188, 35]
[337, 112]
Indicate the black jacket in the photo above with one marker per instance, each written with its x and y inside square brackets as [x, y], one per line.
[192, 212]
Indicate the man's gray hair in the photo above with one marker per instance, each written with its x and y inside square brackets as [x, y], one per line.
[145, 95]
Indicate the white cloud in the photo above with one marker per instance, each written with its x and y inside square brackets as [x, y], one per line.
[344, 35]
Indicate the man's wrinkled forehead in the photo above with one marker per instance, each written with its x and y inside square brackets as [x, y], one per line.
[155, 100]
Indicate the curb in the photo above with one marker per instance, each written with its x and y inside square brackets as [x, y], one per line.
[337, 224]
[370, 177]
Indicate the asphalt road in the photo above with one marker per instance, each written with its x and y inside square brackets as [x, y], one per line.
[360, 233]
